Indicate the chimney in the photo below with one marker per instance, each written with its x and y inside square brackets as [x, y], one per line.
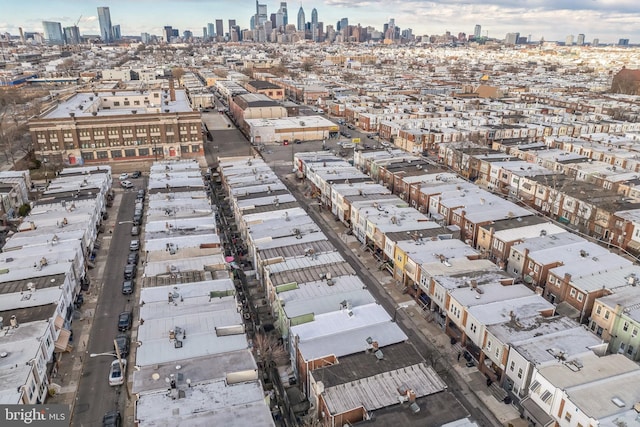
[172, 90]
[411, 395]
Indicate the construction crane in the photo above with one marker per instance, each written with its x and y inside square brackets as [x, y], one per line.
[78, 21]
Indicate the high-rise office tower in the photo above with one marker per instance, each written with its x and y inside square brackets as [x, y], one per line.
[301, 20]
[115, 32]
[595, 42]
[72, 35]
[168, 33]
[104, 18]
[145, 38]
[285, 16]
[204, 33]
[53, 33]
[314, 24]
[187, 35]
[279, 19]
[219, 28]
[477, 31]
[512, 38]
[569, 40]
[343, 25]
[211, 31]
[580, 41]
[262, 16]
[232, 23]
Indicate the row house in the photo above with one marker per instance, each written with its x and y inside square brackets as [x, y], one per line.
[585, 274]
[470, 209]
[392, 174]
[477, 293]
[343, 195]
[496, 239]
[423, 247]
[537, 341]
[492, 355]
[588, 390]
[437, 279]
[615, 318]
[531, 260]
[411, 185]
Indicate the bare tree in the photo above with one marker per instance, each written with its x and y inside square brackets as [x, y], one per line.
[269, 352]
[308, 64]
[177, 73]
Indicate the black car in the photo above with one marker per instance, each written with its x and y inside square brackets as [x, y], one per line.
[122, 340]
[127, 287]
[124, 321]
[111, 419]
[130, 271]
[136, 174]
[133, 258]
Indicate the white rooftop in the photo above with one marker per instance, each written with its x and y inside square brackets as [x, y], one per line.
[210, 404]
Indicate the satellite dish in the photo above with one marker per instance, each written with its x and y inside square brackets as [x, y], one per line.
[155, 376]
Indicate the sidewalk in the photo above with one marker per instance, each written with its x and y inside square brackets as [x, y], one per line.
[412, 316]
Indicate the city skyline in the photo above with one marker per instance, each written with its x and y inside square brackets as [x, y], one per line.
[607, 20]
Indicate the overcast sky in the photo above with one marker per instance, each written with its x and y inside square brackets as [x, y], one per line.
[607, 20]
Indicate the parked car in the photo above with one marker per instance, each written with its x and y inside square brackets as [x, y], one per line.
[130, 271]
[133, 258]
[135, 230]
[141, 193]
[124, 321]
[117, 373]
[112, 419]
[122, 340]
[136, 174]
[134, 245]
[127, 287]
[126, 184]
[297, 141]
[123, 176]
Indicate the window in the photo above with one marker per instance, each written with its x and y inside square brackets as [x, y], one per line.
[534, 386]
[598, 310]
[489, 345]
[546, 396]
[130, 153]
[606, 314]
[580, 296]
[572, 293]
[634, 332]
[116, 154]
[599, 331]
[520, 373]
[102, 154]
[116, 103]
[195, 148]
[567, 416]
[630, 350]
[143, 151]
[512, 366]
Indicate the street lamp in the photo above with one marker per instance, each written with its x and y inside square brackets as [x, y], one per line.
[116, 354]
[399, 307]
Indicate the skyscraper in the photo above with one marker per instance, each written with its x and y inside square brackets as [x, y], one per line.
[232, 23]
[262, 16]
[301, 20]
[580, 41]
[343, 25]
[314, 24]
[569, 40]
[219, 28]
[168, 33]
[53, 33]
[104, 18]
[477, 32]
[72, 35]
[211, 31]
[285, 16]
[115, 32]
[204, 33]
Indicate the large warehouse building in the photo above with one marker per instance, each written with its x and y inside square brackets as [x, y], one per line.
[118, 125]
